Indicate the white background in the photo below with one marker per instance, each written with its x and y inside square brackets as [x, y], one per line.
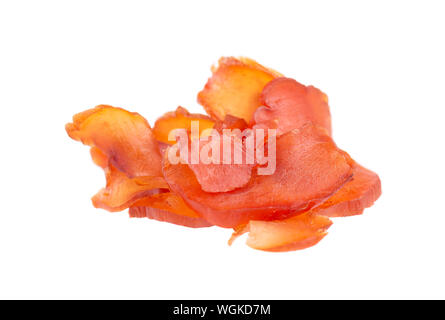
[381, 63]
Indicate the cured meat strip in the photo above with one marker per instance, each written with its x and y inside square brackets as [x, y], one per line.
[359, 193]
[235, 88]
[120, 191]
[124, 146]
[309, 169]
[124, 137]
[167, 207]
[179, 119]
[292, 105]
[295, 233]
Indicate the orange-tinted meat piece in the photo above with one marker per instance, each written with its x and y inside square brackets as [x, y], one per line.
[121, 191]
[98, 157]
[125, 138]
[123, 145]
[292, 105]
[167, 207]
[309, 169]
[235, 88]
[165, 216]
[359, 193]
[179, 119]
[295, 233]
[286, 210]
[231, 122]
[216, 170]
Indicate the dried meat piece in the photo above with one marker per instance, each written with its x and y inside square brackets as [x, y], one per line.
[121, 192]
[125, 138]
[215, 167]
[231, 122]
[235, 88]
[292, 105]
[179, 119]
[99, 158]
[124, 146]
[283, 211]
[309, 169]
[359, 193]
[238, 231]
[226, 155]
[296, 233]
[165, 216]
[167, 207]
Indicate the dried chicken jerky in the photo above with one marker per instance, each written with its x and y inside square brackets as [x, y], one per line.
[292, 104]
[359, 193]
[235, 88]
[179, 119]
[309, 169]
[124, 137]
[167, 207]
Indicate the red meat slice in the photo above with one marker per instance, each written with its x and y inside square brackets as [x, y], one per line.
[292, 105]
[309, 169]
[216, 169]
[125, 138]
[167, 207]
[296, 233]
[235, 88]
[359, 193]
